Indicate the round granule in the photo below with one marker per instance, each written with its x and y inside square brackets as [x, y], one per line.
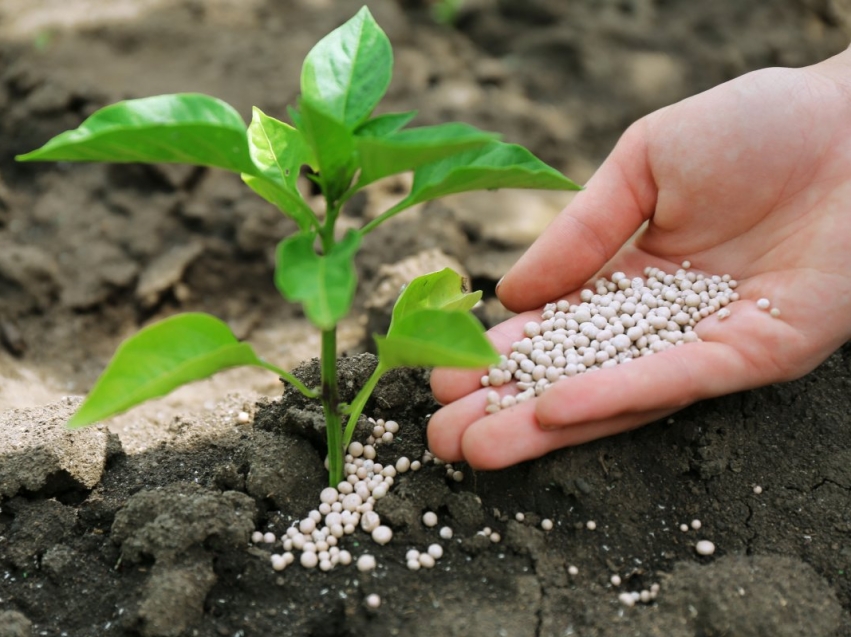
[436, 551]
[382, 534]
[366, 563]
[704, 547]
[373, 601]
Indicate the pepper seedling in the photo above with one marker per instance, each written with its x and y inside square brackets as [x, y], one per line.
[345, 148]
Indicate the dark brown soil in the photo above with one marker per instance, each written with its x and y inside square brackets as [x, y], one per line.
[159, 546]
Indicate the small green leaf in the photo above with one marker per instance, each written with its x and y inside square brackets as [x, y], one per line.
[160, 358]
[386, 124]
[495, 165]
[279, 151]
[333, 146]
[348, 71]
[324, 284]
[414, 147]
[443, 290]
[436, 338]
[187, 128]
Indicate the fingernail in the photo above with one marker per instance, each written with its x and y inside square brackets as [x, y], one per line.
[498, 283]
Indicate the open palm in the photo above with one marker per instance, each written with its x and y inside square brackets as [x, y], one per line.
[751, 178]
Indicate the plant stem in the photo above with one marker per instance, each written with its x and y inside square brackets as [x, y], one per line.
[356, 408]
[330, 405]
[289, 378]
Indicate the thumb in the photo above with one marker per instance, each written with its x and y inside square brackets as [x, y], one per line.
[584, 236]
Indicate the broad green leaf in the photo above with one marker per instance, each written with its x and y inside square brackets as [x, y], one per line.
[160, 358]
[333, 146]
[495, 165]
[187, 128]
[324, 284]
[348, 71]
[279, 151]
[385, 124]
[443, 290]
[436, 338]
[295, 116]
[414, 147]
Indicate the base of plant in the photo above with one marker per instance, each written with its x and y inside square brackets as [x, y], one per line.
[349, 508]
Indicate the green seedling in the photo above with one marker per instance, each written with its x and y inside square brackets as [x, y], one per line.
[343, 148]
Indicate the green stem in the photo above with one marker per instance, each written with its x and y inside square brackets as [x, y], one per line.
[292, 380]
[330, 395]
[356, 408]
[330, 405]
[384, 216]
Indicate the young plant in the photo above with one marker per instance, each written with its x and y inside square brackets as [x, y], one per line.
[344, 148]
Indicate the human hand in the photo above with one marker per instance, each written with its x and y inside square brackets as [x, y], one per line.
[751, 178]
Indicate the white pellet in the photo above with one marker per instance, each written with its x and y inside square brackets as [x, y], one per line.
[426, 560]
[704, 547]
[365, 563]
[382, 534]
[278, 562]
[309, 559]
[445, 533]
[547, 524]
[763, 304]
[430, 518]
[373, 601]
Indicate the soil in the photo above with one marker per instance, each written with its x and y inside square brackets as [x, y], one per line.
[156, 543]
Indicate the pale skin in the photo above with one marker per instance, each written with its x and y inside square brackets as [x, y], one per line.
[751, 178]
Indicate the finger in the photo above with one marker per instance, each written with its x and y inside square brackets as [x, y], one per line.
[584, 236]
[513, 435]
[448, 424]
[451, 384]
